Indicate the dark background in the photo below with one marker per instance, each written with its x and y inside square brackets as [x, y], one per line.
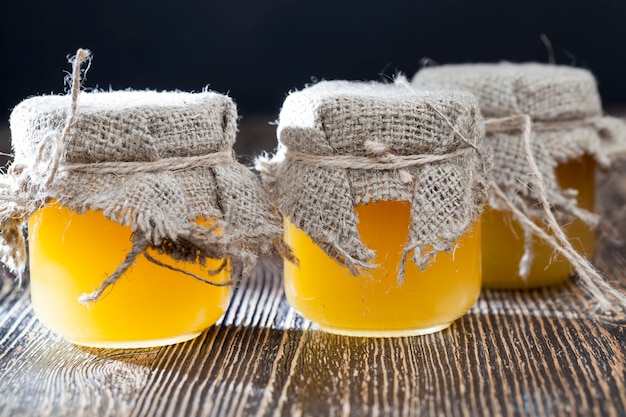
[259, 50]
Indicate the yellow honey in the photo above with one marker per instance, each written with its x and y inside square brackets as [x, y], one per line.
[502, 237]
[374, 303]
[71, 254]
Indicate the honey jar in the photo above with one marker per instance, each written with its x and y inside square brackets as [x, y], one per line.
[136, 209]
[381, 200]
[567, 138]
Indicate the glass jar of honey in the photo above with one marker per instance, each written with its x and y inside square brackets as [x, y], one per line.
[381, 202]
[567, 142]
[135, 208]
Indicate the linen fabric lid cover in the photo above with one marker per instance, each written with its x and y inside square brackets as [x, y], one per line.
[154, 161]
[344, 143]
[547, 93]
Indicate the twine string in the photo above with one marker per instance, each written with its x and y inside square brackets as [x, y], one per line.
[592, 281]
[174, 163]
[138, 248]
[211, 272]
[514, 123]
[141, 248]
[382, 161]
[58, 140]
[58, 144]
[49, 150]
[22, 189]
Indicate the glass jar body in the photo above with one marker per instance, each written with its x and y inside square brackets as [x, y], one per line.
[375, 303]
[71, 254]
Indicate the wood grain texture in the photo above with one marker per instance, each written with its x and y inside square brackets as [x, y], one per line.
[533, 353]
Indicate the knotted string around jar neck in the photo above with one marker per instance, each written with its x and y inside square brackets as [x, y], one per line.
[380, 159]
[174, 163]
[590, 278]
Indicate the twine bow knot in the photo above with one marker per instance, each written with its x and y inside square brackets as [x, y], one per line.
[381, 153]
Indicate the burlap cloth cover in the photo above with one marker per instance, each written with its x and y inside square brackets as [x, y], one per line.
[154, 161]
[347, 143]
[567, 121]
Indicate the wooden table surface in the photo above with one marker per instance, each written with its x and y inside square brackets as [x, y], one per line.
[533, 353]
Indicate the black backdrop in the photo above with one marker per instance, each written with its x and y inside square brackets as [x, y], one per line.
[258, 50]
